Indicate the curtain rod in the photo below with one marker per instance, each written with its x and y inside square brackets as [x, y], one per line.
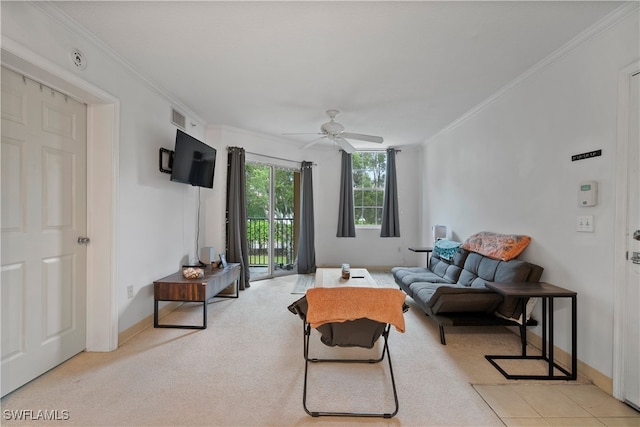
[397, 150]
[276, 158]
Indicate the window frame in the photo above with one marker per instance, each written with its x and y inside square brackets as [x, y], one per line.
[382, 170]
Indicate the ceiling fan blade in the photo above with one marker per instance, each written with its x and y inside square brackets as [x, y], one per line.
[313, 142]
[310, 133]
[358, 136]
[344, 144]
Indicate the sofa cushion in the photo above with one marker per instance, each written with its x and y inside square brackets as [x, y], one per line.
[466, 278]
[430, 277]
[424, 290]
[440, 268]
[415, 274]
[512, 271]
[456, 299]
[405, 276]
[460, 258]
[472, 263]
[487, 269]
[452, 274]
[406, 270]
[479, 283]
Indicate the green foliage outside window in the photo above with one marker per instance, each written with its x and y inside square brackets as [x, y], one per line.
[257, 190]
[258, 199]
[369, 173]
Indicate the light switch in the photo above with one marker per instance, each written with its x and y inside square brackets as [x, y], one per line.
[585, 223]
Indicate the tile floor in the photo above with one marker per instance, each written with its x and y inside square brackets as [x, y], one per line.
[557, 405]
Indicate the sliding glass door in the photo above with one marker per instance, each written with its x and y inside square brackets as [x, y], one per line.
[272, 226]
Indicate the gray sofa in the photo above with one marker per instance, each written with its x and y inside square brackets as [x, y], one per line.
[453, 292]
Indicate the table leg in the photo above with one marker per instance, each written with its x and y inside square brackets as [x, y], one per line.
[551, 363]
[156, 323]
[204, 315]
[574, 338]
[544, 327]
[236, 289]
[523, 326]
[155, 314]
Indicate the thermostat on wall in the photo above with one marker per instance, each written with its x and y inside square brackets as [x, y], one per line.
[588, 194]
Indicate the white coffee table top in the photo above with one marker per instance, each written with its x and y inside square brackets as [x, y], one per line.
[332, 278]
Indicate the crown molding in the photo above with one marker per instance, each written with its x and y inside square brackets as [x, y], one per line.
[69, 24]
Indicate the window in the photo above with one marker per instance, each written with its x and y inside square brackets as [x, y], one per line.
[369, 170]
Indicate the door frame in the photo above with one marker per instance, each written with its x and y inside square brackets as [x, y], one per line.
[279, 163]
[103, 112]
[620, 226]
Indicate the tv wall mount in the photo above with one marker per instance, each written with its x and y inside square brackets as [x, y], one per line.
[165, 160]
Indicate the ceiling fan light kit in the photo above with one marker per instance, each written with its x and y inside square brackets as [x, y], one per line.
[335, 132]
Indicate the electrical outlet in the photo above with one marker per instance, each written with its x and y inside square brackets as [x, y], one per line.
[130, 291]
[585, 223]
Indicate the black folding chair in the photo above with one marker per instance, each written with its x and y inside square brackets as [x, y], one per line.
[353, 333]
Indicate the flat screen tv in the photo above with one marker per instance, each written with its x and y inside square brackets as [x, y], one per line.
[193, 161]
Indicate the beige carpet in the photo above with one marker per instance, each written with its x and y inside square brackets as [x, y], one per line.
[246, 369]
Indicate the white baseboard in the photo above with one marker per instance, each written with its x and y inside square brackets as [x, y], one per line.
[563, 359]
[134, 330]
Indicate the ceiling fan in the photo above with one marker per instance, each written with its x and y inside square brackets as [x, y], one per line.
[335, 132]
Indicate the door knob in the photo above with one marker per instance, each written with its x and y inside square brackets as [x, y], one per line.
[636, 235]
[83, 240]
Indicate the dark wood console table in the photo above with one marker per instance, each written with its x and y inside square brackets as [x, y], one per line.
[547, 292]
[176, 288]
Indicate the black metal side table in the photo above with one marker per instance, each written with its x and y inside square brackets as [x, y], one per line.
[427, 249]
[548, 293]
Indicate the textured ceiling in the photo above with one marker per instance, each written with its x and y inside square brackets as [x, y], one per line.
[401, 70]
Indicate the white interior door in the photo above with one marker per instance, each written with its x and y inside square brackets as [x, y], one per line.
[43, 283]
[631, 351]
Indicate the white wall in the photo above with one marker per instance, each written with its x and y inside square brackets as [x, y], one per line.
[367, 249]
[508, 169]
[155, 217]
[221, 137]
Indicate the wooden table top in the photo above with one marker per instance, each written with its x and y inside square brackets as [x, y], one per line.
[530, 289]
[332, 278]
[209, 273]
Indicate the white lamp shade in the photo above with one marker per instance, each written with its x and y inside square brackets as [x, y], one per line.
[439, 232]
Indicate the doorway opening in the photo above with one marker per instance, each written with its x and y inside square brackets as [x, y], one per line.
[102, 143]
[272, 220]
[626, 378]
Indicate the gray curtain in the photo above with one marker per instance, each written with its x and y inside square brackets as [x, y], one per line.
[306, 243]
[346, 216]
[390, 221]
[237, 246]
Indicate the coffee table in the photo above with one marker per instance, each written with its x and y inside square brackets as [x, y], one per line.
[332, 278]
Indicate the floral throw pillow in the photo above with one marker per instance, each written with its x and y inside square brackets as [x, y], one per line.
[497, 246]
